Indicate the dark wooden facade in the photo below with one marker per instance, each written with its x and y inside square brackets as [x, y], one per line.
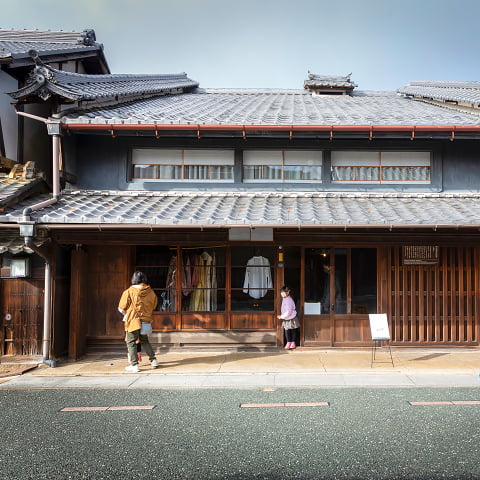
[426, 304]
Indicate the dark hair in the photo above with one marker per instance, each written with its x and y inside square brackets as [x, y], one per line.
[139, 277]
[285, 289]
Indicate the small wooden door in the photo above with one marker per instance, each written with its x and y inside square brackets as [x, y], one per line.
[22, 316]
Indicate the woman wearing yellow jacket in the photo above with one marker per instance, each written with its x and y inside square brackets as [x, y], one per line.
[137, 304]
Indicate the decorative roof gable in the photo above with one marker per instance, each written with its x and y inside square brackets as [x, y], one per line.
[329, 84]
[45, 81]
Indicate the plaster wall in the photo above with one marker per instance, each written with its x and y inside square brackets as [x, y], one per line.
[8, 116]
[102, 162]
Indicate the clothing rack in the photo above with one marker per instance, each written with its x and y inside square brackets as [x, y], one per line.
[197, 248]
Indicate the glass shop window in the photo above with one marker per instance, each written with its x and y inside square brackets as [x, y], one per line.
[381, 167]
[317, 281]
[159, 263]
[203, 279]
[341, 281]
[182, 165]
[252, 279]
[282, 166]
[364, 280]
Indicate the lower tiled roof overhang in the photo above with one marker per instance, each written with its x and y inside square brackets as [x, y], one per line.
[12, 242]
[113, 209]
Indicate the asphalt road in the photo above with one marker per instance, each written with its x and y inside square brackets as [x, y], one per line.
[364, 433]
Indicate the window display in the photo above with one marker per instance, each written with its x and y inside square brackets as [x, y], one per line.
[203, 279]
[252, 278]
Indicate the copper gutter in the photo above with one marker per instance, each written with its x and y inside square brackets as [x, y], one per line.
[299, 226]
[272, 128]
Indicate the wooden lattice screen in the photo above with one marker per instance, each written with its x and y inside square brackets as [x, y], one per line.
[434, 303]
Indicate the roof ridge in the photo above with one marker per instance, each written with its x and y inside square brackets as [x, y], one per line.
[86, 37]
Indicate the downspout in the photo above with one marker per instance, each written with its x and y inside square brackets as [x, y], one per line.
[47, 305]
[54, 131]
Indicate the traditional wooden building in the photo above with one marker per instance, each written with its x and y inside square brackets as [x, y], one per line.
[362, 202]
[25, 171]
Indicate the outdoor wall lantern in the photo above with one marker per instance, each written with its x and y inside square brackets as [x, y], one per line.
[20, 267]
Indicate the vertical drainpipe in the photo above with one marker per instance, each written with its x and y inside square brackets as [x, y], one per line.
[54, 131]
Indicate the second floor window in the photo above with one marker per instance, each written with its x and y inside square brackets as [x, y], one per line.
[282, 166]
[380, 167]
[181, 165]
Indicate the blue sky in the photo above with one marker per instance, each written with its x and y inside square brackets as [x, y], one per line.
[272, 44]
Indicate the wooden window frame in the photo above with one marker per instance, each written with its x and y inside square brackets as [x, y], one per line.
[380, 166]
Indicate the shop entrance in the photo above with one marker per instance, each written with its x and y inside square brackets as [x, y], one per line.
[340, 290]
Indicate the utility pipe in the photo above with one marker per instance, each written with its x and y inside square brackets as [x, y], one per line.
[47, 304]
[47, 311]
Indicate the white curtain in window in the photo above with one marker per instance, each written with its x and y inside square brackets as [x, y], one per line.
[367, 174]
[196, 172]
[145, 171]
[293, 172]
[170, 172]
[272, 172]
[343, 174]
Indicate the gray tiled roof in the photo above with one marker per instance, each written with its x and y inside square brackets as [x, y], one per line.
[257, 209]
[467, 92]
[314, 80]
[83, 87]
[272, 107]
[10, 241]
[17, 43]
[14, 188]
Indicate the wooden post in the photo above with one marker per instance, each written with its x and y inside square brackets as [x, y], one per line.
[77, 334]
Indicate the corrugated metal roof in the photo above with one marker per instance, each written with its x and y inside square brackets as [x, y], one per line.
[271, 107]
[222, 209]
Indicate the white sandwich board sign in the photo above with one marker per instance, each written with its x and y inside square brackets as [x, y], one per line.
[379, 326]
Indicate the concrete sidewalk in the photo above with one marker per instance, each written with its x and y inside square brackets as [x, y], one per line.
[302, 367]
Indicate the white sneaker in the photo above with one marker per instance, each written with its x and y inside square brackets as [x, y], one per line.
[132, 369]
[154, 363]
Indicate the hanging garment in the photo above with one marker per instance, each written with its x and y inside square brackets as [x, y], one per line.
[207, 280]
[187, 276]
[258, 277]
[197, 299]
[169, 300]
[213, 277]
